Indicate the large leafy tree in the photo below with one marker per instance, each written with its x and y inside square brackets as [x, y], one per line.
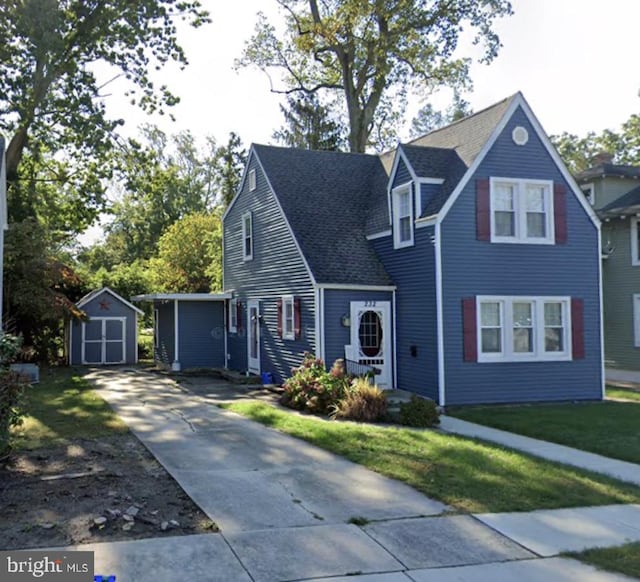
[372, 52]
[429, 118]
[231, 159]
[190, 256]
[309, 125]
[49, 94]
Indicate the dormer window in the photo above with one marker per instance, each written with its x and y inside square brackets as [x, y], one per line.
[402, 216]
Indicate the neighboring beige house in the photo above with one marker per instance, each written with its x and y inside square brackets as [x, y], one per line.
[614, 191]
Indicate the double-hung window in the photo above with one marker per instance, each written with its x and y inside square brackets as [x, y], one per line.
[522, 211]
[512, 329]
[247, 237]
[288, 318]
[233, 315]
[402, 216]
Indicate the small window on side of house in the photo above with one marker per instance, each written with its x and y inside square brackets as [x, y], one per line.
[247, 237]
[233, 316]
[635, 242]
[288, 318]
[252, 180]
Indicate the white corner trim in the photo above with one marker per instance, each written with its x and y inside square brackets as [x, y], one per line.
[394, 347]
[381, 234]
[439, 316]
[176, 334]
[347, 287]
[601, 307]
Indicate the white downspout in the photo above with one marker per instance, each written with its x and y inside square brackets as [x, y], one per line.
[175, 365]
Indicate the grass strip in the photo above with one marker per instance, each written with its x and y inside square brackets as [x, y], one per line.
[470, 475]
[624, 559]
[605, 428]
[63, 406]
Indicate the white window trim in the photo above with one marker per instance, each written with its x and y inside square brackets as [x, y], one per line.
[288, 335]
[252, 180]
[635, 259]
[521, 214]
[233, 315]
[506, 315]
[395, 193]
[589, 191]
[636, 320]
[247, 256]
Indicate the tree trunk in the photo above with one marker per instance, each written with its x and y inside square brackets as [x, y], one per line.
[14, 153]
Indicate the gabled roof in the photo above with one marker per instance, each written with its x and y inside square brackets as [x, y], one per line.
[627, 203]
[466, 136]
[325, 198]
[96, 292]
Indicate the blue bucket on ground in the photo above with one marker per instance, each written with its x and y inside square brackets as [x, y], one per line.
[267, 378]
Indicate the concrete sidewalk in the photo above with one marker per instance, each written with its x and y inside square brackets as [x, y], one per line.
[285, 509]
[622, 470]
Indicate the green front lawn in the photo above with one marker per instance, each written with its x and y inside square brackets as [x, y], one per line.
[623, 393]
[466, 474]
[624, 559]
[63, 406]
[608, 428]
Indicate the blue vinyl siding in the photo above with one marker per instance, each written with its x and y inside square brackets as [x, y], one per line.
[471, 267]
[115, 308]
[336, 304]
[427, 192]
[412, 270]
[201, 334]
[165, 351]
[277, 269]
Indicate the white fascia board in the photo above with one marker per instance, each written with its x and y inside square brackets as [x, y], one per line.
[182, 297]
[245, 173]
[286, 221]
[87, 298]
[347, 287]
[381, 234]
[427, 221]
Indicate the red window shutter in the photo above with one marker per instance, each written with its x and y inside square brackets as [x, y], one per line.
[239, 322]
[279, 317]
[577, 328]
[560, 212]
[483, 209]
[469, 330]
[297, 317]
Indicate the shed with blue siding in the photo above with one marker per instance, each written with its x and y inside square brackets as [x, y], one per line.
[109, 334]
[189, 329]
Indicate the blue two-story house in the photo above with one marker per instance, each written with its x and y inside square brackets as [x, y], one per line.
[463, 266]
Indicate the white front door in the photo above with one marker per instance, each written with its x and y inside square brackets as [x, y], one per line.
[371, 338]
[103, 340]
[253, 337]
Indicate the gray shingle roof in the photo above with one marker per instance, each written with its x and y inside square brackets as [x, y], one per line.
[332, 200]
[325, 197]
[603, 170]
[629, 202]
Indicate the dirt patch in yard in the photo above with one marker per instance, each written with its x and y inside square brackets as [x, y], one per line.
[92, 491]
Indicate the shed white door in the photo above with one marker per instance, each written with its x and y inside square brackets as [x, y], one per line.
[371, 338]
[103, 340]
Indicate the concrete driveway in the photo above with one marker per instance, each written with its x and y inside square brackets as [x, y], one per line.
[286, 508]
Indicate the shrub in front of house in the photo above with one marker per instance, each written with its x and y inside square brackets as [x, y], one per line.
[362, 402]
[12, 385]
[419, 413]
[312, 389]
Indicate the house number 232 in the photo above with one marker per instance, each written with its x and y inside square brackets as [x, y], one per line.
[369, 303]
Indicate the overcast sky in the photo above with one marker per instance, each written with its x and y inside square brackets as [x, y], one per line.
[574, 60]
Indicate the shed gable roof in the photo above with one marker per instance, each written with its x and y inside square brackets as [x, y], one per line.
[97, 292]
